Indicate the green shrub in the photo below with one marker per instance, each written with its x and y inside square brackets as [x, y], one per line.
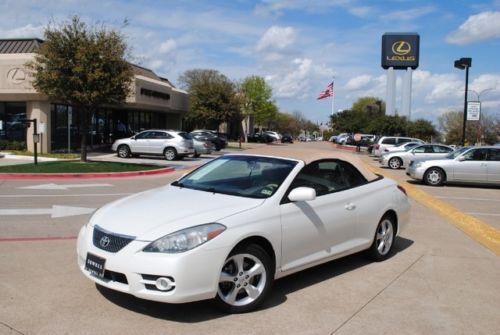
[12, 145]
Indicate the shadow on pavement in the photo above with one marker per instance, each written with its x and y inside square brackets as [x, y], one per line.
[206, 310]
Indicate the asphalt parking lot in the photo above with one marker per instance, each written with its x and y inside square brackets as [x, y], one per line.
[482, 202]
[439, 280]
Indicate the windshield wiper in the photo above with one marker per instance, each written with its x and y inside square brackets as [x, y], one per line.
[177, 183]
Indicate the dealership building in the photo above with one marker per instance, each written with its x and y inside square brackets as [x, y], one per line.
[153, 103]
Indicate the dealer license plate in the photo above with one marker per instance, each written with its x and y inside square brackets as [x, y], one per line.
[95, 265]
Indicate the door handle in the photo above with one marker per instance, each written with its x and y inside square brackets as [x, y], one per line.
[350, 206]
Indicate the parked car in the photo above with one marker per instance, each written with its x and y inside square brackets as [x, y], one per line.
[202, 146]
[390, 141]
[220, 141]
[273, 134]
[403, 146]
[172, 144]
[259, 216]
[342, 138]
[260, 138]
[286, 138]
[466, 165]
[396, 160]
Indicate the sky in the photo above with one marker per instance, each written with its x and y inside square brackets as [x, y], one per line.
[298, 46]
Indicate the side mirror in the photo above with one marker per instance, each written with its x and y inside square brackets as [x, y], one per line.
[302, 194]
[461, 158]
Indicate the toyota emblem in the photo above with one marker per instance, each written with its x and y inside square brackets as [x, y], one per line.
[104, 242]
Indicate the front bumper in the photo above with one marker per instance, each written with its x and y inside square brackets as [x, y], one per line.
[194, 274]
[415, 172]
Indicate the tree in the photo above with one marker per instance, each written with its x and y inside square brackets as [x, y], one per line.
[422, 129]
[350, 121]
[372, 106]
[84, 67]
[486, 130]
[212, 98]
[255, 97]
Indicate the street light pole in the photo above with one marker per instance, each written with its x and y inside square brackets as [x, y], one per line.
[464, 63]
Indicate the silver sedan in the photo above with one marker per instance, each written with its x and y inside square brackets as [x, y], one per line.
[395, 160]
[466, 165]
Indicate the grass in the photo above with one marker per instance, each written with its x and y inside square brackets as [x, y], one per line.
[75, 167]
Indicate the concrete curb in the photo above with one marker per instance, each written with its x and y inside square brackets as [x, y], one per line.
[37, 176]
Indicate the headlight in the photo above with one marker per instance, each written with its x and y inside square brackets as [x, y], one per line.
[186, 239]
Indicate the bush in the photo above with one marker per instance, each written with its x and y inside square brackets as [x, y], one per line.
[12, 145]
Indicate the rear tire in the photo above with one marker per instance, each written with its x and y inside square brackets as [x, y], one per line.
[383, 240]
[245, 280]
[170, 154]
[123, 151]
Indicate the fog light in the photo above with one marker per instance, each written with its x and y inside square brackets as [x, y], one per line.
[163, 284]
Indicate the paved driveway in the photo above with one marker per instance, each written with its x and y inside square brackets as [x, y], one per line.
[439, 281]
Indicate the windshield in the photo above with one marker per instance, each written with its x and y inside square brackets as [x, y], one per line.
[456, 153]
[245, 176]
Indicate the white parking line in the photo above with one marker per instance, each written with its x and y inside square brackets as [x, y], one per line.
[465, 198]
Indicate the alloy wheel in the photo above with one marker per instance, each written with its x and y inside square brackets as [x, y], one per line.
[395, 163]
[242, 280]
[385, 237]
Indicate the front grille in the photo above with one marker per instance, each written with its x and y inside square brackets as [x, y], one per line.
[115, 276]
[109, 241]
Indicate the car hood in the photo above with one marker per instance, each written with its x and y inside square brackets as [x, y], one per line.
[155, 213]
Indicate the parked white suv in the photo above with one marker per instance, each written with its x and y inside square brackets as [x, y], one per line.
[390, 141]
[172, 144]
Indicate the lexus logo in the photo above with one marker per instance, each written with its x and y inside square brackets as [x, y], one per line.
[104, 242]
[16, 76]
[401, 48]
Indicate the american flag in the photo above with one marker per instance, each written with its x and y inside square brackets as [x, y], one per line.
[326, 93]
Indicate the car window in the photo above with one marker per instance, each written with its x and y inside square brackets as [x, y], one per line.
[404, 140]
[144, 135]
[494, 155]
[441, 149]
[389, 140]
[184, 135]
[328, 176]
[246, 176]
[421, 149]
[476, 155]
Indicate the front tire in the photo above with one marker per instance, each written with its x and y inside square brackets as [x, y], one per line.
[123, 151]
[383, 240]
[170, 154]
[395, 163]
[245, 280]
[434, 177]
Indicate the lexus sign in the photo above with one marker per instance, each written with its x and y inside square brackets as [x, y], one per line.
[400, 50]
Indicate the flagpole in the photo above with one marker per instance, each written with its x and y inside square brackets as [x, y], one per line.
[333, 94]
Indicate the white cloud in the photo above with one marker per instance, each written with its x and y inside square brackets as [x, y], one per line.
[293, 81]
[361, 11]
[409, 14]
[276, 38]
[359, 82]
[168, 46]
[479, 27]
[24, 32]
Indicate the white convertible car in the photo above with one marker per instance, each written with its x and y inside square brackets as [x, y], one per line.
[228, 229]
